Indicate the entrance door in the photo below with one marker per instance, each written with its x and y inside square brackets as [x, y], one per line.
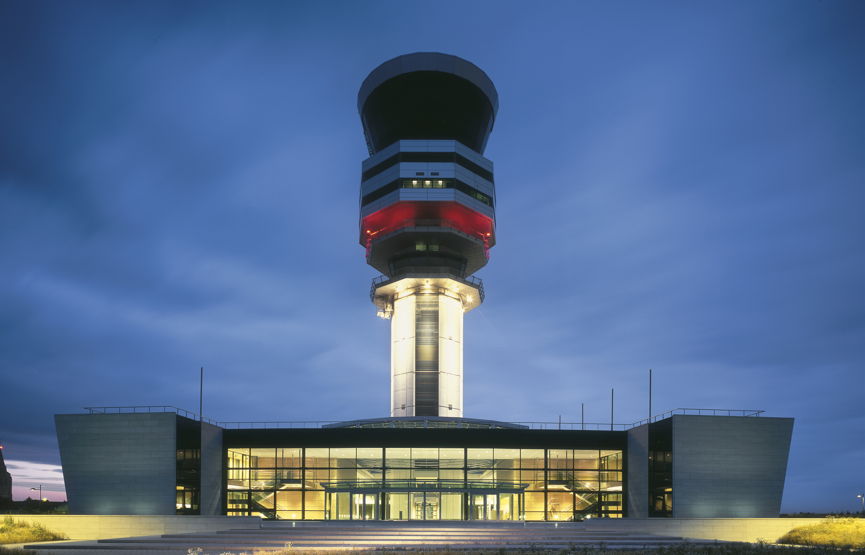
[417, 505]
[397, 506]
[477, 509]
[492, 508]
[431, 506]
[507, 509]
[364, 506]
[370, 506]
[340, 506]
[425, 506]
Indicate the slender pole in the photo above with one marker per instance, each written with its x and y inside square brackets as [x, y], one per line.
[582, 416]
[612, 405]
[560, 421]
[201, 396]
[650, 395]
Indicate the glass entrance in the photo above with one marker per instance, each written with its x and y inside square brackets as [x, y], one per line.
[396, 506]
[364, 506]
[508, 506]
[425, 505]
[477, 510]
[494, 506]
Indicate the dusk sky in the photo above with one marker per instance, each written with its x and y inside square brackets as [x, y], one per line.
[680, 186]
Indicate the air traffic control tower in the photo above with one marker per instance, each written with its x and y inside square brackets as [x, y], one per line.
[427, 217]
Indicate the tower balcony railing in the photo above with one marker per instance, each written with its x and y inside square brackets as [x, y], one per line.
[472, 281]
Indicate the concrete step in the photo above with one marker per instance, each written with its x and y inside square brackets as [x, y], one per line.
[343, 538]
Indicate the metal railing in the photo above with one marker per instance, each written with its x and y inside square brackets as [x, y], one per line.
[427, 223]
[596, 426]
[475, 282]
[312, 424]
[415, 485]
[143, 409]
[295, 424]
[699, 412]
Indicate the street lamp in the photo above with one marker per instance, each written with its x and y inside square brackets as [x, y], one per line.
[40, 492]
[861, 498]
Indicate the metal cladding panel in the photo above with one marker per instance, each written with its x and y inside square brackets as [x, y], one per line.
[445, 170]
[421, 437]
[381, 155]
[427, 146]
[410, 170]
[211, 469]
[729, 466]
[119, 463]
[474, 180]
[638, 472]
[475, 157]
[402, 357]
[379, 180]
[450, 356]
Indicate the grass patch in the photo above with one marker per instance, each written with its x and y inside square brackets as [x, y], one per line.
[832, 532]
[22, 532]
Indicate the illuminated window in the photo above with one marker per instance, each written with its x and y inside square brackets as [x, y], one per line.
[422, 483]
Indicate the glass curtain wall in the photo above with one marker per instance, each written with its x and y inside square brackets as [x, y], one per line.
[400, 483]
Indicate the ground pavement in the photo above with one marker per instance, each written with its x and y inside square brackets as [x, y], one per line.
[280, 536]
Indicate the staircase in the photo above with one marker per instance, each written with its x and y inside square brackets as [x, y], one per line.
[284, 536]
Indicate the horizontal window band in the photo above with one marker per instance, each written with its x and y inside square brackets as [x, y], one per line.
[422, 183]
[428, 157]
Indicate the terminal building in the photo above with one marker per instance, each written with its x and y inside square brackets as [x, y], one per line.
[427, 223]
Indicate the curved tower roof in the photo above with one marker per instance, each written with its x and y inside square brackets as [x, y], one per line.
[427, 95]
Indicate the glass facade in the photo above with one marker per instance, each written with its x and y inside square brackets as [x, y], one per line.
[429, 483]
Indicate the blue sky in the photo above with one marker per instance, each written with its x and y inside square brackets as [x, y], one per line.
[680, 186]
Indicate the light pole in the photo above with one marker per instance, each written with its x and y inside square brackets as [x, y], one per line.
[40, 492]
[861, 498]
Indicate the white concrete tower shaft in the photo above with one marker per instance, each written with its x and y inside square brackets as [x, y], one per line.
[427, 343]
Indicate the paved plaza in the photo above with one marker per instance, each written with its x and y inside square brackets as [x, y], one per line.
[283, 536]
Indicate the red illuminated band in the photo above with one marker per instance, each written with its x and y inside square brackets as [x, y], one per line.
[428, 214]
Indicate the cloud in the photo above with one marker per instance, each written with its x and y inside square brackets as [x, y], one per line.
[28, 474]
[677, 189]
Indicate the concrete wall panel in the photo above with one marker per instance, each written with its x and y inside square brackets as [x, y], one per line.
[119, 463]
[638, 472]
[728, 466]
[211, 469]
